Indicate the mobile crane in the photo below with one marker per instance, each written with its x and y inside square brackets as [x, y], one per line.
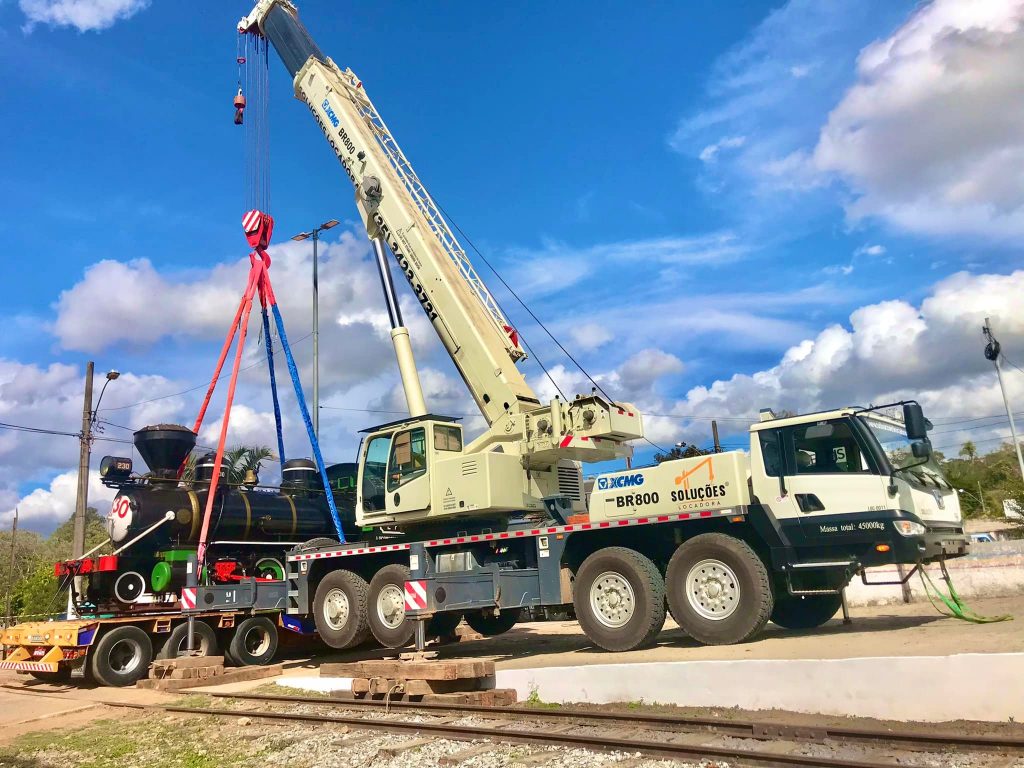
[486, 529]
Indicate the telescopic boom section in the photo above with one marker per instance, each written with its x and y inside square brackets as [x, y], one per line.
[396, 207]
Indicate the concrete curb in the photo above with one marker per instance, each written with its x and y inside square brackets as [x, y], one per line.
[975, 686]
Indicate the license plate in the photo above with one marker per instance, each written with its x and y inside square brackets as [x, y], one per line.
[35, 638]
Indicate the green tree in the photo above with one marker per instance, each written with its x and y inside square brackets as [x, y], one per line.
[243, 459]
[681, 451]
[969, 451]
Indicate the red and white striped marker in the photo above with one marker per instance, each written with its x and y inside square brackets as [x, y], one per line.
[188, 598]
[251, 221]
[415, 595]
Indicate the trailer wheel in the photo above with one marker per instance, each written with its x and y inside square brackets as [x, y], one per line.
[62, 675]
[121, 656]
[254, 642]
[490, 625]
[320, 541]
[339, 609]
[619, 597]
[718, 589]
[443, 624]
[385, 606]
[204, 640]
[805, 611]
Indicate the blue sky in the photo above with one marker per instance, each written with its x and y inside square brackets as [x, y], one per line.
[795, 205]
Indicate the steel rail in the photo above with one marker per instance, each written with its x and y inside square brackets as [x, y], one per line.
[597, 743]
[748, 728]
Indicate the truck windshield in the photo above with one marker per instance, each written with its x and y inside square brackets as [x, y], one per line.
[892, 438]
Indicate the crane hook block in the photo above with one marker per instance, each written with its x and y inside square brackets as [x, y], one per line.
[239, 107]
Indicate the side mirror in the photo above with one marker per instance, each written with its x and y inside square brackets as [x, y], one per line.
[916, 423]
[921, 449]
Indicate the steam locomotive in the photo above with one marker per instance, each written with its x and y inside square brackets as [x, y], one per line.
[155, 521]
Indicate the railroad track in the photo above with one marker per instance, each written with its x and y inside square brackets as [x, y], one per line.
[740, 743]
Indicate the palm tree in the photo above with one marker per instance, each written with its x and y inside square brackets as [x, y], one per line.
[969, 450]
[238, 461]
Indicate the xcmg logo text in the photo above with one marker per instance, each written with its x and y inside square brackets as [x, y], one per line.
[622, 481]
[330, 113]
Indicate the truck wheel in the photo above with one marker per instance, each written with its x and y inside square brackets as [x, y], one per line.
[339, 609]
[121, 656]
[204, 640]
[62, 675]
[619, 597]
[718, 589]
[317, 543]
[254, 642]
[386, 607]
[805, 611]
[443, 624]
[490, 625]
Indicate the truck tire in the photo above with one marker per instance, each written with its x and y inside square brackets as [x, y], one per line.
[619, 597]
[385, 607]
[321, 541]
[121, 656]
[443, 625]
[254, 642]
[805, 611]
[718, 589]
[339, 609]
[490, 625]
[204, 641]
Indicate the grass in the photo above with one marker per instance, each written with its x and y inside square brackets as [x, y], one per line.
[534, 700]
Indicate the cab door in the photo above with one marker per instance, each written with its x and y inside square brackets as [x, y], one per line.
[825, 486]
[408, 482]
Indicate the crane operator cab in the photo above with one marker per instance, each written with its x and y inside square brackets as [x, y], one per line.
[417, 469]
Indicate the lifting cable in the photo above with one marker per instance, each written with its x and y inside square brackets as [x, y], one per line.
[953, 601]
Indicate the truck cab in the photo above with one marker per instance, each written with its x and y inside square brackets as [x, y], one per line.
[856, 481]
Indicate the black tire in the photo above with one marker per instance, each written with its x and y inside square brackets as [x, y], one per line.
[121, 656]
[742, 595]
[443, 624]
[62, 675]
[805, 611]
[254, 642]
[633, 594]
[490, 625]
[385, 607]
[316, 543]
[204, 641]
[339, 609]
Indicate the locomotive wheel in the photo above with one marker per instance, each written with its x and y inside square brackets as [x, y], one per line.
[386, 607]
[254, 642]
[490, 625]
[270, 568]
[339, 609]
[121, 656]
[619, 597]
[204, 641]
[718, 589]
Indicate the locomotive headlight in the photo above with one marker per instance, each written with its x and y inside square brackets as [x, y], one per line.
[114, 468]
[909, 528]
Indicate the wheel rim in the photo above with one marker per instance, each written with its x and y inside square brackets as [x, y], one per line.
[391, 606]
[713, 590]
[256, 641]
[269, 568]
[336, 609]
[125, 656]
[612, 599]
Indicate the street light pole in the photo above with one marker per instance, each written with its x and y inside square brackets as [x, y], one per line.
[315, 234]
[84, 447]
[992, 352]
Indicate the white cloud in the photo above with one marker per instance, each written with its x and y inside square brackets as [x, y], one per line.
[929, 138]
[710, 153]
[50, 506]
[83, 15]
[870, 250]
[590, 336]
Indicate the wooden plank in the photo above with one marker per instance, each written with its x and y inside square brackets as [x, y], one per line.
[405, 746]
[424, 687]
[493, 698]
[236, 675]
[359, 685]
[185, 662]
[395, 669]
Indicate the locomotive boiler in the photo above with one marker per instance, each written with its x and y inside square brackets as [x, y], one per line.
[155, 520]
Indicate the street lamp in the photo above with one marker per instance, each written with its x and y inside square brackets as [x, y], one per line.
[111, 376]
[980, 498]
[315, 234]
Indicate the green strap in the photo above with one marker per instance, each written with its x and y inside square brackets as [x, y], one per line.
[954, 603]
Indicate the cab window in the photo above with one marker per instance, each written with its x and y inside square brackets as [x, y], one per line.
[826, 448]
[771, 452]
[374, 469]
[447, 438]
[408, 457]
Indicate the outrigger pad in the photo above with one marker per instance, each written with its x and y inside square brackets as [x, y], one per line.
[258, 227]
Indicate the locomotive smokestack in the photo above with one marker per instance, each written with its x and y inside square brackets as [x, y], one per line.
[164, 447]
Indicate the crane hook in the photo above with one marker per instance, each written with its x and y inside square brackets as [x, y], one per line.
[239, 106]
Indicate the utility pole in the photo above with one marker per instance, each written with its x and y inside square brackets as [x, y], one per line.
[84, 448]
[992, 352]
[315, 234]
[981, 498]
[10, 575]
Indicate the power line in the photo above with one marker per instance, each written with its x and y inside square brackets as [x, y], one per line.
[38, 430]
